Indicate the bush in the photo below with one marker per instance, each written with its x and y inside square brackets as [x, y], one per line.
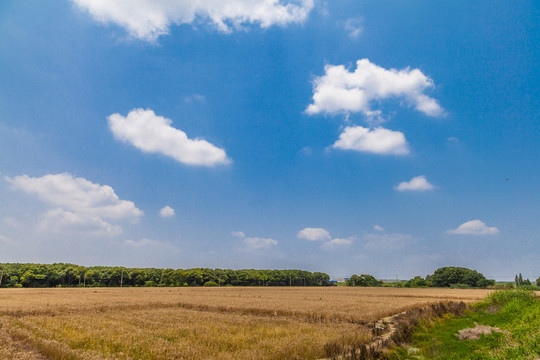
[210, 283]
[498, 299]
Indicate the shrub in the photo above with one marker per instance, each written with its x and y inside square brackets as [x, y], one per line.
[501, 298]
[210, 283]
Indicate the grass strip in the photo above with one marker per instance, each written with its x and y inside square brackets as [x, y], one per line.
[513, 315]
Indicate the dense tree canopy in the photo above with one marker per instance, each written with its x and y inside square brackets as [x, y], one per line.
[40, 275]
[452, 276]
[363, 280]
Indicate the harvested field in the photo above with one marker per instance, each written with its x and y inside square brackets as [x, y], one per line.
[199, 323]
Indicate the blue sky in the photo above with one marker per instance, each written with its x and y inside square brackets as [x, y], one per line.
[380, 137]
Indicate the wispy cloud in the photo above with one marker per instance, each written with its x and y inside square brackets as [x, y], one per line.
[336, 244]
[353, 27]
[387, 242]
[314, 234]
[259, 243]
[254, 243]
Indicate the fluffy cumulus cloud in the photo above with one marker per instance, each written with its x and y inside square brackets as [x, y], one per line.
[342, 91]
[148, 19]
[166, 212]
[79, 205]
[387, 242]
[418, 183]
[336, 243]
[320, 234]
[378, 141]
[314, 234]
[154, 134]
[474, 227]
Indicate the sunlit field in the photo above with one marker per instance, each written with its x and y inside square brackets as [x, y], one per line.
[199, 323]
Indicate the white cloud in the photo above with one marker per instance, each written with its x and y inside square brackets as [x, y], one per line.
[336, 243]
[59, 220]
[354, 27]
[154, 134]
[474, 227]
[256, 243]
[314, 234]
[80, 205]
[166, 211]
[418, 183]
[378, 228]
[238, 234]
[342, 91]
[379, 141]
[148, 19]
[387, 242]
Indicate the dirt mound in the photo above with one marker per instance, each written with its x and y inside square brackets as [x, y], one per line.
[475, 332]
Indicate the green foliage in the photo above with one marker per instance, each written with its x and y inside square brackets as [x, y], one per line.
[69, 275]
[518, 316]
[210, 283]
[499, 299]
[417, 281]
[363, 280]
[452, 276]
[538, 281]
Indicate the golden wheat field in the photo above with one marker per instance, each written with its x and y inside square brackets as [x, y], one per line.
[199, 323]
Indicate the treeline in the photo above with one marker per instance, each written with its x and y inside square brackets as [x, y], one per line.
[69, 275]
[442, 277]
[451, 277]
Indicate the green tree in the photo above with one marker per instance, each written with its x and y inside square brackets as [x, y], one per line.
[363, 280]
[417, 281]
[452, 276]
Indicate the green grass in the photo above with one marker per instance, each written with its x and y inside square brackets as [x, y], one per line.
[513, 311]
